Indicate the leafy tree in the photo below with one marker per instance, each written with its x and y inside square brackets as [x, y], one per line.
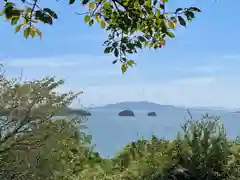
[26, 121]
[25, 106]
[233, 166]
[200, 151]
[203, 150]
[64, 155]
[131, 24]
[144, 159]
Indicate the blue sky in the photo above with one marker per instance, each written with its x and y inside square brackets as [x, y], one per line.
[200, 67]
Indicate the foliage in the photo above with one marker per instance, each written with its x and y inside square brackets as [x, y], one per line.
[25, 106]
[131, 24]
[200, 151]
[63, 154]
[203, 149]
[27, 125]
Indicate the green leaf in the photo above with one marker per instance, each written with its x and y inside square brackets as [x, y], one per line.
[107, 5]
[124, 68]
[164, 27]
[116, 52]
[85, 2]
[178, 10]
[91, 5]
[2, 12]
[28, 10]
[51, 13]
[130, 63]
[158, 13]
[71, 1]
[91, 22]
[115, 44]
[190, 15]
[97, 17]
[155, 2]
[130, 46]
[141, 39]
[107, 50]
[38, 14]
[103, 25]
[162, 6]
[9, 13]
[18, 27]
[9, 4]
[124, 59]
[182, 21]
[171, 24]
[26, 32]
[126, 19]
[170, 34]
[45, 18]
[86, 18]
[32, 32]
[14, 20]
[139, 44]
[38, 33]
[194, 9]
[115, 61]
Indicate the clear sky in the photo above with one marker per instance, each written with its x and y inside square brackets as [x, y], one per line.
[198, 68]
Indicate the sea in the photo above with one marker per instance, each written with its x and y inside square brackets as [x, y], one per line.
[110, 132]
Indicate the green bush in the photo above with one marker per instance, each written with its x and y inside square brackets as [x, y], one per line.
[200, 151]
[203, 149]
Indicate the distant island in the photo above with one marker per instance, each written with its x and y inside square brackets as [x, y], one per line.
[152, 114]
[126, 113]
[68, 111]
[154, 107]
[138, 105]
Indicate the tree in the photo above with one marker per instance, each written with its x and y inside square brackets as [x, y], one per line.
[26, 116]
[203, 148]
[131, 24]
[64, 154]
[34, 143]
[25, 106]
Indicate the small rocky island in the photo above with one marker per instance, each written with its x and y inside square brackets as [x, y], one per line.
[126, 113]
[152, 114]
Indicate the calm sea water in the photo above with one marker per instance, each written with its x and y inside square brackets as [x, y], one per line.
[111, 132]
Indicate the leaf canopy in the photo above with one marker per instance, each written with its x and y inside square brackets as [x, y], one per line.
[131, 24]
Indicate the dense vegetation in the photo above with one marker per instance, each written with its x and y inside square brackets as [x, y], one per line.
[34, 145]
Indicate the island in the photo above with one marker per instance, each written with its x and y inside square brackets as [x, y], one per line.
[68, 111]
[126, 113]
[152, 114]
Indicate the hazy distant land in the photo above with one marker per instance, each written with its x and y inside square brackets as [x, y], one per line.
[150, 106]
[146, 107]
